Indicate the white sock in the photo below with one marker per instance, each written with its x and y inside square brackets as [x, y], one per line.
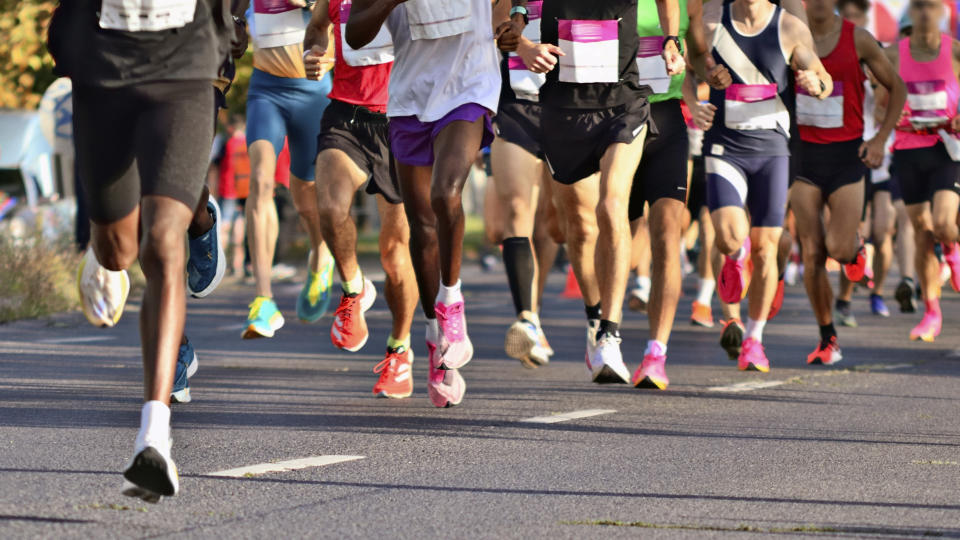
[154, 426]
[449, 295]
[354, 285]
[755, 329]
[643, 283]
[433, 331]
[655, 347]
[705, 293]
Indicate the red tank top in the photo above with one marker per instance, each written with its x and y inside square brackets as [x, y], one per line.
[838, 118]
[364, 85]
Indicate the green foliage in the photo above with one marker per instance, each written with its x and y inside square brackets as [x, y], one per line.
[26, 68]
[37, 276]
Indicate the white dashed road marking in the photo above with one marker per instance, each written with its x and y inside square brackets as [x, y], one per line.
[746, 386]
[282, 466]
[554, 418]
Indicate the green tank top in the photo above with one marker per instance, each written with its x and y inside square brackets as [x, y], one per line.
[649, 61]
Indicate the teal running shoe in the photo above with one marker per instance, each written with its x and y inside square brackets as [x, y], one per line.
[264, 319]
[314, 299]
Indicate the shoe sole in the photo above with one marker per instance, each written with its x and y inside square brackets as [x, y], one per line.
[389, 395]
[649, 382]
[701, 324]
[753, 367]
[95, 321]
[606, 375]
[252, 332]
[732, 343]
[518, 346]
[221, 260]
[926, 338]
[904, 297]
[149, 472]
[848, 323]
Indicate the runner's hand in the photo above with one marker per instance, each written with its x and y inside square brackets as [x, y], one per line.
[674, 60]
[703, 115]
[508, 36]
[717, 74]
[298, 3]
[315, 64]
[540, 58]
[871, 152]
[810, 81]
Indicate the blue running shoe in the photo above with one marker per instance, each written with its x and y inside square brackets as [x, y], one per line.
[207, 262]
[314, 299]
[878, 307]
[187, 365]
[264, 319]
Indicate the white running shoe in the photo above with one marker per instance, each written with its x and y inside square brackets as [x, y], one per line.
[593, 325]
[103, 293]
[523, 343]
[606, 363]
[151, 473]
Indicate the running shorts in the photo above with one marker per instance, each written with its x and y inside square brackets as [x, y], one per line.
[412, 140]
[518, 122]
[890, 184]
[148, 139]
[922, 172]
[663, 168]
[279, 107]
[365, 137]
[574, 140]
[831, 166]
[758, 183]
[697, 194]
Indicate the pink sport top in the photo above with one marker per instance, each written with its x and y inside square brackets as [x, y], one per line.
[932, 94]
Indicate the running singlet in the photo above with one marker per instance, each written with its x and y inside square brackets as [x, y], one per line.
[442, 62]
[932, 92]
[653, 70]
[837, 118]
[600, 40]
[278, 29]
[752, 115]
[235, 168]
[360, 76]
[518, 81]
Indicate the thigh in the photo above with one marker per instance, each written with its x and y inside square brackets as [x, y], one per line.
[618, 165]
[726, 183]
[303, 114]
[846, 208]
[767, 185]
[806, 201]
[580, 198]
[945, 205]
[455, 147]
[516, 170]
[264, 121]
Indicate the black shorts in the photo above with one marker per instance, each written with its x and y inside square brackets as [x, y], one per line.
[921, 172]
[364, 136]
[663, 169]
[146, 139]
[891, 184]
[697, 194]
[831, 166]
[518, 122]
[574, 140]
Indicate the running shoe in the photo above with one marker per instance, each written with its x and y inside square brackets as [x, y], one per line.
[652, 373]
[349, 331]
[752, 357]
[103, 293]
[638, 299]
[928, 329]
[187, 365]
[904, 296]
[396, 374]
[544, 343]
[151, 473]
[456, 349]
[732, 285]
[314, 299]
[951, 256]
[523, 343]
[878, 307]
[827, 353]
[731, 339]
[856, 270]
[207, 262]
[791, 274]
[702, 315]
[844, 316]
[264, 319]
[606, 365]
[444, 386]
[593, 325]
[777, 300]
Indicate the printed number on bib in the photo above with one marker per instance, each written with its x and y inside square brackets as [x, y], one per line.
[378, 51]
[278, 24]
[146, 15]
[751, 106]
[525, 83]
[592, 51]
[652, 67]
[928, 103]
[429, 19]
[822, 113]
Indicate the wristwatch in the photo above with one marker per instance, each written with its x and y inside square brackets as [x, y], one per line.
[675, 40]
[521, 10]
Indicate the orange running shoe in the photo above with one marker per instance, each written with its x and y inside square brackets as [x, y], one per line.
[777, 301]
[856, 270]
[702, 315]
[827, 353]
[349, 331]
[396, 377]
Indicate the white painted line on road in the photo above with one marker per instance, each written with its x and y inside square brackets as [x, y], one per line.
[746, 386]
[573, 415]
[232, 327]
[87, 339]
[282, 466]
[880, 367]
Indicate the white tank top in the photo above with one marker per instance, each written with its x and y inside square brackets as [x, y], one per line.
[432, 77]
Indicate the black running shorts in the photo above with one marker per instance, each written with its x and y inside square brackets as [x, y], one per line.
[921, 172]
[364, 136]
[518, 122]
[697, 194]
[830, 166]
[663, 168]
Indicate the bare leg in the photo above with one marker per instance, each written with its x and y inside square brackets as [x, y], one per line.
[261, 214]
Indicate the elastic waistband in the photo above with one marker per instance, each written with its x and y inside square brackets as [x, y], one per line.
[357, 112]
[262, 79]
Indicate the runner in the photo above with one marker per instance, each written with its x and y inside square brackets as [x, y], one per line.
[282, 103]
[444, 88]
[233, 189]
[142, 109]
[832, 173]
[354, 149]
[929, 62]
[747, 150]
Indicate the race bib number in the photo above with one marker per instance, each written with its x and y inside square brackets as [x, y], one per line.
[429, 19]
[928, 103]
[652, 67]
[378, 51]
[525, 83]
[278, 24]
[592, 51]
[146, 15]
[821, 113]
[750, 106]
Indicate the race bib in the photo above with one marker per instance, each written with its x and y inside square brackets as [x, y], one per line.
[652, 67]
[927, 100]
[378, 51]
[278, 24]
[592, 51]
[146, 15]
[750, 106]
[429, 19]
[525, 83]
[821, 113]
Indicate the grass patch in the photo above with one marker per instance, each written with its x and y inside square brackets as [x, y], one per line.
[37, 276]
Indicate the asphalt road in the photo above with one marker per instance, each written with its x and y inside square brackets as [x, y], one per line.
[870, 448]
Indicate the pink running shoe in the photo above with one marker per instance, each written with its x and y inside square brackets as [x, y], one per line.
[951, 254]
[731, 283]
[929, 327]
[752, 357]
[456, 350]
[444, 386]
[652, 373]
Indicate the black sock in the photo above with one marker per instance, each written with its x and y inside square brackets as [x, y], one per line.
[518, 258]
[609, 327]
[593, 312]
[843, 304]
[827, 331]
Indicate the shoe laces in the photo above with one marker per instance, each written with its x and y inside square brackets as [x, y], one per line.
[451, 321]
[258, 303]
[388, 366]
[345, 311]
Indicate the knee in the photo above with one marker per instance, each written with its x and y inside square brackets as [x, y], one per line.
[445, 197]
[581, 230]
[841, 249]
[728, 238]
[115, 256]
[162, 246]
[612, 212]
[261, 184]
[332, 208]
[395, 257]
[764, 253]
[944, 229]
